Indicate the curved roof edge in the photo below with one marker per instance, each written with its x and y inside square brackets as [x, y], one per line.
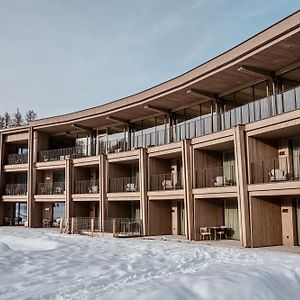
[258, 40]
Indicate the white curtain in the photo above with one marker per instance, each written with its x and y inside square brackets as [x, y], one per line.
[229, 166]
[231, 217]
[296, 157]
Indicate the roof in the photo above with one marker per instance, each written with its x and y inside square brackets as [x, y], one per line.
[276, 48]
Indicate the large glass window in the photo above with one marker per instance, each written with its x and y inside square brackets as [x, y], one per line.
[58, 211]
[21, 213]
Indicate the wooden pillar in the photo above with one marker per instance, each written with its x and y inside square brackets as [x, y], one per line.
[242, 184]
[1, 180]
[31, 211]
[143, 189]
[218, 115]
[103, 175]
[100, 198]
[68, 189]
[97, 141]
[187, 185]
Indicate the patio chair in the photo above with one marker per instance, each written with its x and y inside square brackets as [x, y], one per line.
[220, 181]
[93, 189]
[130, 187]
[222, 232]
[205, 232]
[46, 223]
[167, 184]
[277, 175]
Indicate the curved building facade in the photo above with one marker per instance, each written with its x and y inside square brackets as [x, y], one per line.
[213, 153]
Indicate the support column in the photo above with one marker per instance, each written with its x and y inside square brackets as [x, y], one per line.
[68, 189]
[31, 213]
[103, 175]
[242, 184]
[187, 185]
[143, 189]
[218, 115]
[100, 197]
[171, 123]
[1, 180]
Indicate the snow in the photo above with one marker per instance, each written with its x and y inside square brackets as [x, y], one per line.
[44, 264]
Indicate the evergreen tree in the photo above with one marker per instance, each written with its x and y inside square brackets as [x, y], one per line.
[2, 123]
[18, 119]
[7, 120]
[30, 116]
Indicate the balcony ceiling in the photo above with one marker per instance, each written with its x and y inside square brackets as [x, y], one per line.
[276, 49]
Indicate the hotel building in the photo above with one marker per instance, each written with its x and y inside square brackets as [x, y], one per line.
[216, 146]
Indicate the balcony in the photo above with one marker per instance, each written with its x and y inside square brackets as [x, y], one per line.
[124, 184]
[163, 182]
[215, 177]
[16, 189]
[55, 188]
[124, 227]
[17, 159]
[275, 170]
[209, 123]
[64, 153]
[87, 187]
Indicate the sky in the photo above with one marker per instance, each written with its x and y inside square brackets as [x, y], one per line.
[61, 56]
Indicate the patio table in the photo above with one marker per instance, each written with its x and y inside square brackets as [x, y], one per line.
[215, 230]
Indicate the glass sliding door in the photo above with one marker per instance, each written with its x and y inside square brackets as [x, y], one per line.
[58, 211]
[20, 213]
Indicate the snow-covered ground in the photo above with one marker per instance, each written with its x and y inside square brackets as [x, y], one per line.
[43, 264]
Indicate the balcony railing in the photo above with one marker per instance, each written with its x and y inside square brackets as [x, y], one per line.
[215, 177]
[123, 227]
[124, 184]
[87, 187]
[16, 189]
[64, 153]
[85, 224]
[17, 159]
[170, 181]
[276, 170]
[250, 112]
[55, 188]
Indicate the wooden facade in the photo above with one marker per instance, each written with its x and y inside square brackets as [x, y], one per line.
[217, 146]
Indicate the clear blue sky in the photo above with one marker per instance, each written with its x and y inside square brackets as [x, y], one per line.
[58, 56]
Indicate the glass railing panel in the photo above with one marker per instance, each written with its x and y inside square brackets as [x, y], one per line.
[16, 189]
[215, 177]
[86, 187]
[297, 97]
[16, 159]
[170, 181]
[64, 153]
[289, 102]
[245, 114]
[124, 184]
[275, 170]
[124, 226]
[55, 188]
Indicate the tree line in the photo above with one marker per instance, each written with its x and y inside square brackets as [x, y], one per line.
[16, 119]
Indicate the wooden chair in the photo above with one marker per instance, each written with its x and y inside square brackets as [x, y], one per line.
[205, 232]
[222, 232]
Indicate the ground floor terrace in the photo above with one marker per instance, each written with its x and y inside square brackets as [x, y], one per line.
[275, 221]
[14, 213]
[72, 267]
[166, 217]
[216, 219]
